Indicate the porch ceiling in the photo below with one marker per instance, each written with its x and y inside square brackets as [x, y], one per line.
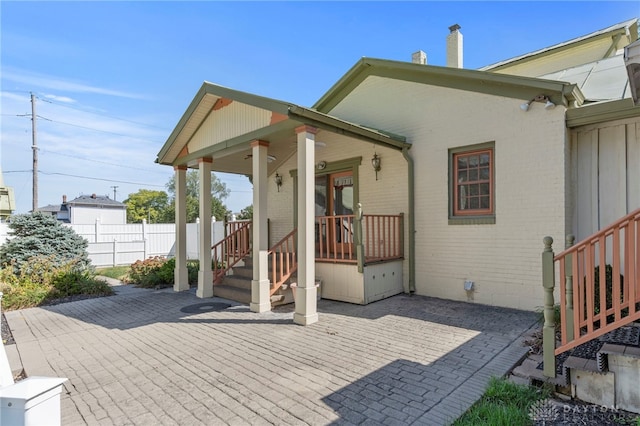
[255, 118]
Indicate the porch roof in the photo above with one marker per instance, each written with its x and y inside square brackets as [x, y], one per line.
[276, 127]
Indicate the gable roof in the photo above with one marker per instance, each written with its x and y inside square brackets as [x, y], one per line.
[287, 116]
[94, 200]
[506, 85]
[627, 29]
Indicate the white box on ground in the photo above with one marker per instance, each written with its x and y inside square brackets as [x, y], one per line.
[33, 401]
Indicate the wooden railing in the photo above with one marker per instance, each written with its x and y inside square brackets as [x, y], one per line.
[599, 284]
[232, 249]
[335, 238]
[382, 238]
[283, 260]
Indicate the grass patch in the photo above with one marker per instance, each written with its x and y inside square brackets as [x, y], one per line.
[116, 272]
[503, 403]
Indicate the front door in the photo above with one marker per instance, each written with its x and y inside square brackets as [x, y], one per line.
[334, 213]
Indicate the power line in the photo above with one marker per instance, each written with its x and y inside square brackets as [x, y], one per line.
[85, 177]
[102, 115]
[98, 161]
[97, 130]
[101, 179]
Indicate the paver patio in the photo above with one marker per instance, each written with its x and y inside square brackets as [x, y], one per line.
[138, 358]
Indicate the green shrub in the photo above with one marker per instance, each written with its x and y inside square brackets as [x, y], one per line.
[43, 282]
[159, 272]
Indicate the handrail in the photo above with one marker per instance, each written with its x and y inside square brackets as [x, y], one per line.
[600, 282]
[283, 261]
[231, 249]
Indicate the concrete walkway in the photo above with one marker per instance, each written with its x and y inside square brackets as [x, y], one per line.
[146, 357]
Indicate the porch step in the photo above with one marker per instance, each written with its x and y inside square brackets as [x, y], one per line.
[231, 292]
[243, 271]
[238, 281]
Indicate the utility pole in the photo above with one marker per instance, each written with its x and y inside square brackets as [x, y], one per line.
[34, 146]
[114, 192]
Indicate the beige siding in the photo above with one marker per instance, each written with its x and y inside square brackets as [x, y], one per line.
[606, 169]
[387, 195]
[230, 121]
[502, 259]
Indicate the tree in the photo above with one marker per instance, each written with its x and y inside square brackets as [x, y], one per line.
[219, 192]
[246, 213]
[40, 235]
[147, 204]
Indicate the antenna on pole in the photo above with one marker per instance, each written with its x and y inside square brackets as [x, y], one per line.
[34, 147]
[114, 192]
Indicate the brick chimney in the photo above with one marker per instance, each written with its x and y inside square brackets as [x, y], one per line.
[419, 57]
[64, 199]
[454, 47]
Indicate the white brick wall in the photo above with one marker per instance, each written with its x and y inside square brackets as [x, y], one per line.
[502, 259]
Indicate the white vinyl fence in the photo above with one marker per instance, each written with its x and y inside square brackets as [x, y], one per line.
[112, 245]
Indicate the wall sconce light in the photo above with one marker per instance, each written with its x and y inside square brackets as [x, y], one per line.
[278, 181]
[375, 162]
[540, 98]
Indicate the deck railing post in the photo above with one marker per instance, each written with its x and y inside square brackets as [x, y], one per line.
[568, 280]
[549, 328]
[359, 239]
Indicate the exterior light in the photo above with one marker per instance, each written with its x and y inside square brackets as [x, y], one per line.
[375, 162]
[278, 181]
[540, 98]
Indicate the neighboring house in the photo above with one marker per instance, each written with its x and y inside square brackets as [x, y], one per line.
[459, 173]
[87, 209]
[7, 200]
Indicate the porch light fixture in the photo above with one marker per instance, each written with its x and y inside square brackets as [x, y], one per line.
[278, 181]
[540, 98]
[375, 162]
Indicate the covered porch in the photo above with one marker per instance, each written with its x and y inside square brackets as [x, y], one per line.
[310, 218]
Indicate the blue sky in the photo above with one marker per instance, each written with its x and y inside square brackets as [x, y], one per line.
[113, 78]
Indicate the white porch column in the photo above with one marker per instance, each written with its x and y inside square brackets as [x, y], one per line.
[205, 275]
[180, 274]
[260, 300]
[306, 303]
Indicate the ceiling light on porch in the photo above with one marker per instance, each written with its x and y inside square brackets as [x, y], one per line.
[375, 162]
[270, 158]
[278, 181]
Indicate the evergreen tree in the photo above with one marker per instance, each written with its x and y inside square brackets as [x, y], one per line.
[40, 235]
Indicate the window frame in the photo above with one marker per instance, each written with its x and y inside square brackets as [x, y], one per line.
[468, 216]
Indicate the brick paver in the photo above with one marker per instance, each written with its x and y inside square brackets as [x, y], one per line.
[137, 359]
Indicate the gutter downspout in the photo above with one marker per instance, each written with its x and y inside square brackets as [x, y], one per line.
[412, 221]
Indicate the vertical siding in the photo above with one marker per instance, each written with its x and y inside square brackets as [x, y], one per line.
[233, 120]
[502, 259]
[607, 171]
